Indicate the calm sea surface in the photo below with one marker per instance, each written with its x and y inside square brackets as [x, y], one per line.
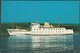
[40, 44]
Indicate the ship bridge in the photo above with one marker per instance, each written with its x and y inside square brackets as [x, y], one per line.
[46, 24]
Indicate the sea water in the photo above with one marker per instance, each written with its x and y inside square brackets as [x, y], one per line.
[40, 44]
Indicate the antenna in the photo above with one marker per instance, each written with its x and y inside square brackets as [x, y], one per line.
[37, 20]
[12, 23]
[58, 22]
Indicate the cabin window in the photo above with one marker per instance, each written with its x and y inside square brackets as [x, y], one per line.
[40, 28]
[45, 31]
[41, 31]
[48, 31]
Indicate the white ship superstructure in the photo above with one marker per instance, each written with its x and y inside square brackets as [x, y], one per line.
[37, 29]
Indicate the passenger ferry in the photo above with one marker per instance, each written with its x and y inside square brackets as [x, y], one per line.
[37, 29]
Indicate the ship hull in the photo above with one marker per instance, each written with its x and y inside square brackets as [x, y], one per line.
[24, 32]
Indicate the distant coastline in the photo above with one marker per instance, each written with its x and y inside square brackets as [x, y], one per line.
[26, 25]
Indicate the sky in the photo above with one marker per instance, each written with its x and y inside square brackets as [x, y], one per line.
[61, 12]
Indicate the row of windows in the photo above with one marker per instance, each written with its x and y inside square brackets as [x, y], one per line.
[46, 31]
[49, 29]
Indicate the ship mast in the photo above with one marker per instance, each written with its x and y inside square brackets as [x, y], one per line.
[12, 24]
[37, 20]
[58, 22]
